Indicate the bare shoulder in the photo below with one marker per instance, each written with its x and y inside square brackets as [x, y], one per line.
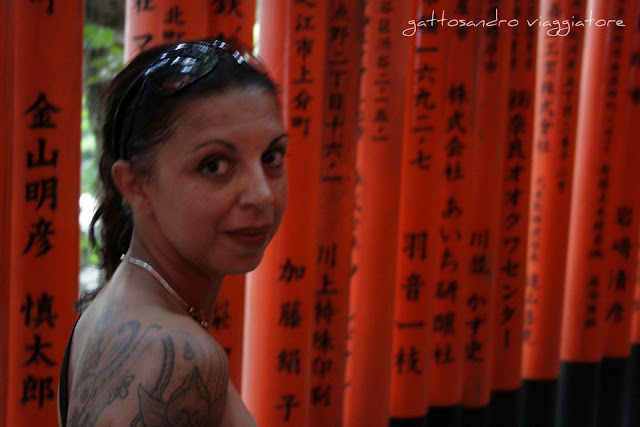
[168, 371]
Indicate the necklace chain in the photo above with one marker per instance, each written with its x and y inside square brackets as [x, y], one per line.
[197, 315]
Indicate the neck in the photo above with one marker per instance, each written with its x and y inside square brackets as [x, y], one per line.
[197, 288]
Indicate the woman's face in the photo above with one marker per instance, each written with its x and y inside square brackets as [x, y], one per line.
[219, 188]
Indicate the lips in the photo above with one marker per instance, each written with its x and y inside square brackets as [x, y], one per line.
[250, 237]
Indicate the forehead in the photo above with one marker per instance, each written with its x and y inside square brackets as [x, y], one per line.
[239, 115]
[232, 106]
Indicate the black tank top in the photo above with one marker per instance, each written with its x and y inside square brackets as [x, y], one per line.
[63, 389]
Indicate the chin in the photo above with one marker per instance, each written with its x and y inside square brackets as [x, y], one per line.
[245, 265]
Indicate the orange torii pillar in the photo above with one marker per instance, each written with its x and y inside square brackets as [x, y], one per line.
[625, 225]
[418, 239]
[153, 22]
[557, 82]
[6, 127]
[142, 25]
[487, 148]
[447, 322]
[40, 164]
[231, 19]
[367, 391]
[631, 88]
[512, 235]
[590, 227]
[281, 291]
[335, 223]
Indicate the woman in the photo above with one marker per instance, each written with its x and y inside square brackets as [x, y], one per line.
[193, 188]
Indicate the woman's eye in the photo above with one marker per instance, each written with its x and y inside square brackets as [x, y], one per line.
[216, 166]
[274, 158]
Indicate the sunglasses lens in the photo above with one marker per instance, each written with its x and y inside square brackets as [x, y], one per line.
[180, 67]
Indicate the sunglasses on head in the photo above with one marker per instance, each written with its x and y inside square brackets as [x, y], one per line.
[173, 70]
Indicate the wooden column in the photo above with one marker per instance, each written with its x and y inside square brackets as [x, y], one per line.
[587, 274]
[280, 292]
[335, 221]
[455, 210]
[142, 25]
[153, 22]
[42, 175]
[622, 239]
[418, 228]
[379, 153]
[6, 128]
[556, 106]
[510, 278]
[231, 19]
[632, 409]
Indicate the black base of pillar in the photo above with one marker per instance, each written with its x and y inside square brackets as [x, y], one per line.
[505, 408]
[613, 392]
[578, 387]
[475, 417]
[444, 416]
[408, 422]
[633, 402]
[538, 403]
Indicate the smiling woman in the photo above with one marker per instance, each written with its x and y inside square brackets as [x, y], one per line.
[193, 187]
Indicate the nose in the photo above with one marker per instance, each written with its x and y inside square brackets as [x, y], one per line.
[256, 191]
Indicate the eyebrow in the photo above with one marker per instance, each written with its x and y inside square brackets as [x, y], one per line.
[229, 145]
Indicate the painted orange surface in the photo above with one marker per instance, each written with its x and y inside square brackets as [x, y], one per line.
[558, 65]
[418, 228]
[279, 333]
[510, 278]
[367, 387]
[45, 188]
[450, 291]
[590, 225]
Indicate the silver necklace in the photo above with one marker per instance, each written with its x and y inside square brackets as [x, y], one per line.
[197, 315]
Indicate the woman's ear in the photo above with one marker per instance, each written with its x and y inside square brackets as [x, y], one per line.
[131, 186]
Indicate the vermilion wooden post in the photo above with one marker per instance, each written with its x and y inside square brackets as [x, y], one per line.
[632, 410]
[622, 241]
[512, 234]
[557, 82]
[280, 292]
[142, 25]
[43, 239]
[447, 321]
[231, 19]
[418, 239]
[487, 148]
[255, 310]
[367, 385]
[152, 22]
[582, 341]
[183, 20]
[335, 222]
[6, 126]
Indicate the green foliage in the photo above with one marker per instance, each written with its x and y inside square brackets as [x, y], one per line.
[103, 49]
[88, 178]
[110, 53]
[88, 149]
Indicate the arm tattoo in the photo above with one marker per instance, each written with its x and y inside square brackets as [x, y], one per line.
[108, 371]
[189, 405]
[95, 389]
